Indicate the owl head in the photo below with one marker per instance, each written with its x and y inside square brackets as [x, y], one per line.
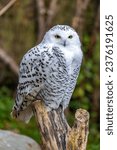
[62, 35]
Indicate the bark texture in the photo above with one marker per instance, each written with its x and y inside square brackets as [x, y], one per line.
[55, 131]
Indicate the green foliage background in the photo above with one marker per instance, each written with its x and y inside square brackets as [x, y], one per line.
[18, 33]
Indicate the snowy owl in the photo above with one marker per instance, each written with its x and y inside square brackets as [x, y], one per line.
[49, 72]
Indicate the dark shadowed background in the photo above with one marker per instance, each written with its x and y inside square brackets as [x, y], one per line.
[22, 26]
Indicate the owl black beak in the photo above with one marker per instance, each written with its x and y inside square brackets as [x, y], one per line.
[64, 44]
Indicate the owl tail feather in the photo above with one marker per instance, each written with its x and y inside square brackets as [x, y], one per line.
[24, 115]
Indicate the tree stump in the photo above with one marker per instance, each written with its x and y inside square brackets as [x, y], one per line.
[55, 131]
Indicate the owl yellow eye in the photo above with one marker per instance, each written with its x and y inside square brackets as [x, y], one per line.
[57, 36]
[70, 36]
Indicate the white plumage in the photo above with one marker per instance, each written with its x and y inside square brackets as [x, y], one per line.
[49, 72]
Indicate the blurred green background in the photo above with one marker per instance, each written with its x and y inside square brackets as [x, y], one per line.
[22, 26]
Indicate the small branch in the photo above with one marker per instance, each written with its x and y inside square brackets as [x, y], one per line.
[9, 61]
[5, 8]
[55, 131]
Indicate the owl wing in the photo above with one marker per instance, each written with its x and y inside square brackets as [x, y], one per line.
[32, 75]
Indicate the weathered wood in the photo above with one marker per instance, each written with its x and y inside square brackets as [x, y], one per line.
[78, 134]
[55, 131]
